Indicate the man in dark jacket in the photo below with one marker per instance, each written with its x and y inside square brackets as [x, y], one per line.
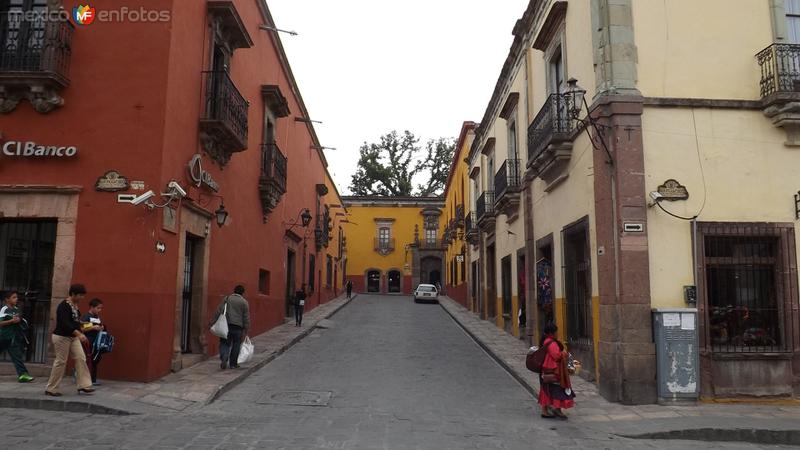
[237, 314]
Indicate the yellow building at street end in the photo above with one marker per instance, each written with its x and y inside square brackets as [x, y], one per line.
[394, 243]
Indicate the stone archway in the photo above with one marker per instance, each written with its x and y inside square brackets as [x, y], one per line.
[430, 270]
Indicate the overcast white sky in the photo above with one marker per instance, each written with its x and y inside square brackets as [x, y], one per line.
[366, 67]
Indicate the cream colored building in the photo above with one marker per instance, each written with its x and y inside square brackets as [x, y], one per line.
[705, 118]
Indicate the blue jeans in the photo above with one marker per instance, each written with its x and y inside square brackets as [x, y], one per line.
[229, 348]
[16, 353]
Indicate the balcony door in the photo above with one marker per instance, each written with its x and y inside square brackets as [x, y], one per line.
[793, 21]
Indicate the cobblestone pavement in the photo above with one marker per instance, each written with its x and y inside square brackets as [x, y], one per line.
[187, 390]
[593, 412]
[385, 374]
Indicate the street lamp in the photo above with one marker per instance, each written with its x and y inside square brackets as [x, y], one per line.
[221, 215]
[577, 96]
[306, 217]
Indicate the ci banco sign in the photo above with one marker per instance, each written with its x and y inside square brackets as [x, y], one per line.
[33, 150]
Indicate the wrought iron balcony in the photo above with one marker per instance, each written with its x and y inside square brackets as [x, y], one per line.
[35, 57]
[471, 228]
[550, 138]
[460, 216]
[780, 88]
[432, 244]
[485, 208]
[224, 122]
[780, 69]
[272, 182]
[507, 185]
[384, 245]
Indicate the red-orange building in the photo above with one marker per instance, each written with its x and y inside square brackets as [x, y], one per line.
[142, 94]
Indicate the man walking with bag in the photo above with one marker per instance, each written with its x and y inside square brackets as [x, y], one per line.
[237, 314]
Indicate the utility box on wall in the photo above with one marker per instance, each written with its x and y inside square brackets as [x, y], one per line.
[677, 353]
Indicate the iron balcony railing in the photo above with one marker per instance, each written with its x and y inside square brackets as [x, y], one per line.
[225, 104]
[485, 205]
[506, 177]
[384, 244]
[273, 166]
[31, 44]
[431, 244]
[552, 124]
[780, 68]
[460, 215]
[471, 224]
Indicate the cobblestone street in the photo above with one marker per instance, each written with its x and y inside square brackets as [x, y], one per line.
[387, 374]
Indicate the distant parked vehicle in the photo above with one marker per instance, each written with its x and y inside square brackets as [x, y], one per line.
[426, 293]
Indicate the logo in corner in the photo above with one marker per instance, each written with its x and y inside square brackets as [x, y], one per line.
[83, 14]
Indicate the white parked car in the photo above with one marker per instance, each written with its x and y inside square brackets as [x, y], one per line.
[427, 293]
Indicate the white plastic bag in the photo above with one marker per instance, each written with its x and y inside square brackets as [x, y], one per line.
[220, 327]
[246, 352]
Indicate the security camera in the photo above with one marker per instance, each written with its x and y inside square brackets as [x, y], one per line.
[656, 196]
[143, 198]
[177, 189]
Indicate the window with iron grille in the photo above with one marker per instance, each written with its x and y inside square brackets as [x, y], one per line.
[384, 235]
[329, 271]
[263, 281]
[746, 294]
[430, 236]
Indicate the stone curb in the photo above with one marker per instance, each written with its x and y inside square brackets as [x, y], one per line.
[750, 435]
[520, 379]
[61, 405]
[221, 390]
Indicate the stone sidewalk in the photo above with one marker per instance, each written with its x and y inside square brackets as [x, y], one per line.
[187, 390]
[705, 421]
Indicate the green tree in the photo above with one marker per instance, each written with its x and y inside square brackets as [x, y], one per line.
[390, 166]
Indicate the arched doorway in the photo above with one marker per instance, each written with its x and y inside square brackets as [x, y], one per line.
[430, 270]
[373, 281]
[395, 281]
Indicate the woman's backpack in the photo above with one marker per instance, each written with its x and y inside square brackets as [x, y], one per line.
[535, 359]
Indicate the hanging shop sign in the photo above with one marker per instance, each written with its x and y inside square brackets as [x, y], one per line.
[199, 176]
[112, 181]
[31, 149]
[672, 190]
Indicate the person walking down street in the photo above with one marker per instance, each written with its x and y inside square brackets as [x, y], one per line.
[349, 287]
[67, 341]
[11, 338]
[555, 392]
[238, 317]
[299, 306]
[93, 325]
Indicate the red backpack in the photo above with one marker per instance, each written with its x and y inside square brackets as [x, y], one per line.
[535, 360]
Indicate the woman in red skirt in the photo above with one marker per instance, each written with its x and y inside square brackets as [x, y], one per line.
[555, 391]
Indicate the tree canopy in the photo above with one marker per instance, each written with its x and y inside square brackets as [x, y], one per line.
[390, 166]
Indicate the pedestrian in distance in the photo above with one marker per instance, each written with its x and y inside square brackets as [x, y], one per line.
[237, 314]
[299, 306]
[12, 338]
[68, 342]
[555, 391]
[349, 287]
[93, 325]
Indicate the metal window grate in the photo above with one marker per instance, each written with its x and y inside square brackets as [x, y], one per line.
[745, 292]
[577, 283]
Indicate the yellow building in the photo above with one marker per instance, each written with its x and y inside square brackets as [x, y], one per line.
[459, 228]
[680, 184]
[394, 243]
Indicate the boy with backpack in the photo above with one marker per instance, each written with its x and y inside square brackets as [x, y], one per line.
[11, 338]
[93, 325]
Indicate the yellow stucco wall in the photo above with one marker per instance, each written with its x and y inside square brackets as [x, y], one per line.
[457, 193]
[700, 49]
[362, 232]
[738, 148]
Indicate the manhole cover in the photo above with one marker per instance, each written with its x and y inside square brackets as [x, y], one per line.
[296, 398]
